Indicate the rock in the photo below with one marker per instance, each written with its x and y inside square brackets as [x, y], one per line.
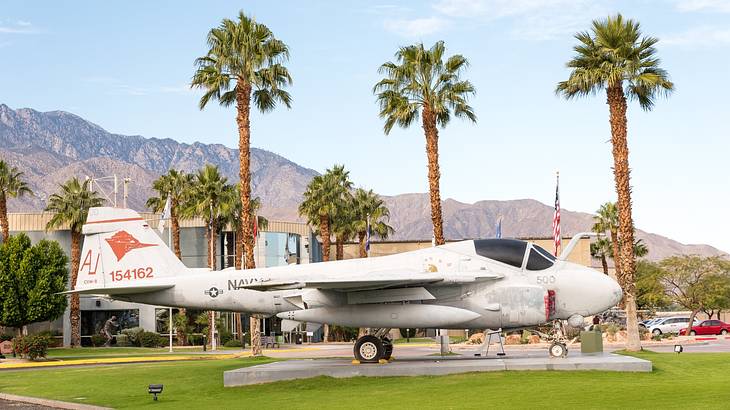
[476, 339]
[534, 339]
[513, 340]
[621, 336]
[6, 347]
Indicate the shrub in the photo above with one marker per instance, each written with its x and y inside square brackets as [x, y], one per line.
[133, 334]
[4, 337]
[232, 343]
[525, 339]
[611, 328]
[122, 340]
[225, 336]
[151, 339]
[98, 340]
[32, 347]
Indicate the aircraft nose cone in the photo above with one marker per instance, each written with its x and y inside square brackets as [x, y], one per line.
[616, 292]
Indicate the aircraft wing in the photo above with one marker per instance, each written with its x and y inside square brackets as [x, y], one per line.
[375, 280]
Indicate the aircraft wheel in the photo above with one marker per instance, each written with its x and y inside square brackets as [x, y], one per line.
[558, 350]
[387, 348]
[369, 349]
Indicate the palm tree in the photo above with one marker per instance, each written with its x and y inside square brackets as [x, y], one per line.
[616, 57]
[343, 220]
[367, 205]
[11, 185]
[232, 217]
[321, 199]
[421, 82]
[71, 207]
[207, 195]
[606, 220]
[244, 62]
[176, 185]
[600, 250]
[231, 212]
[206, 199]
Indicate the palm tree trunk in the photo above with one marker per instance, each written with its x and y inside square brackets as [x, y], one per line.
[324, 232]
[239, 327]
[237, 260]
[617, 107]
[254, 327]
[361, 241]
[75, 307]
[604, 264]
[434, 175]
[4, 216]
[175, 226]
[339, 248]
[616, 260]
[243, 104]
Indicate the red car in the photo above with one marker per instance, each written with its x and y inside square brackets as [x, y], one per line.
[708, 327]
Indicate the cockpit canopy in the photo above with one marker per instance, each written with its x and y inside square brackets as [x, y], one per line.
[512, 252]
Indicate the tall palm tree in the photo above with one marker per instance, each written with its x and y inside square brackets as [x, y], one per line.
[421, 83]
[321, 199]
[367, 205]
[176, 185]
[71, 207]
[244, 62]
[616, 57]
[11, 185]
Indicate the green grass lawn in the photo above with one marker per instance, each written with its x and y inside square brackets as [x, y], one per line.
[698, 380]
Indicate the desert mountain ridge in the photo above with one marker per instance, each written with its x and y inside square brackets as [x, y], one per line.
[50, 147]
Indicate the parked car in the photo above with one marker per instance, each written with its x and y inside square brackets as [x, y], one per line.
[648, 322]
[708, 327]
[671, 324]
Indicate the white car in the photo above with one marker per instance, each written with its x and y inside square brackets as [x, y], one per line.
[671, 324]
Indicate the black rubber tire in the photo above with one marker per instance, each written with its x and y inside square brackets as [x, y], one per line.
[656, 332]
[692, 333]
[369, 349]
[723, 332]
[558, 350]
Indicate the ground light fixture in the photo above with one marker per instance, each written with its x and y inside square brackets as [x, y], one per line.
[155, 389]
[678, 349]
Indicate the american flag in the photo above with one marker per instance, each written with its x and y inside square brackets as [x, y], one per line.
[556, 216]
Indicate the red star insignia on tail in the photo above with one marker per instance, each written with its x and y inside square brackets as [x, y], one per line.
[122, 242]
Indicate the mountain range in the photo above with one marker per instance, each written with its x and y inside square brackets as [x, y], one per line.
[50, 147]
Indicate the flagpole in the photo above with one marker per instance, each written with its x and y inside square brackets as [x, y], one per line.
[368, 236]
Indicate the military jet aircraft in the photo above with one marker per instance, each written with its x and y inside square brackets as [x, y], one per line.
[474, 284]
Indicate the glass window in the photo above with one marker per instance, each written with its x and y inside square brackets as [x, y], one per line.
[509, 251]
[544, 253]
[536, 261]
[714, 323]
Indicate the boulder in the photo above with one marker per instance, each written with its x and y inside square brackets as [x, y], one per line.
[6, 347]
[513, 340]
[476, 339]
[534, 339]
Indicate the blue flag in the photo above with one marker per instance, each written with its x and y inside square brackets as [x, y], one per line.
[498, 235]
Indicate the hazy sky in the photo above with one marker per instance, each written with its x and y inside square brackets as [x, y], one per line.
[127, 66]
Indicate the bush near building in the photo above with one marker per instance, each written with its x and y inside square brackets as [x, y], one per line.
[31, 347]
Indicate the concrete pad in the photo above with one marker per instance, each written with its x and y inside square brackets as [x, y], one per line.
[429, 366]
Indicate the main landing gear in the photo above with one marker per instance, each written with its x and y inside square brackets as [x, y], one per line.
[373, 348]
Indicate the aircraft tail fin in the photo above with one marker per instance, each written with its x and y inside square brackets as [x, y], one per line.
[122, 254]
